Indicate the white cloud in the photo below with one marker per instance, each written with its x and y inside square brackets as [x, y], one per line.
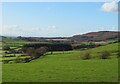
[110, 7]
[10, 30]
[15, 30]
[108, 28]
[114, 29]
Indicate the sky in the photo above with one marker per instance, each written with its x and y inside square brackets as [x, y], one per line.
[57, 19]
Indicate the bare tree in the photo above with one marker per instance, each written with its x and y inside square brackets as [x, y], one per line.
[40, 51]
[30, 51]
[36, 53]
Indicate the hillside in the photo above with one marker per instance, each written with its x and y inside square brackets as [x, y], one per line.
[96, 36]
[90, 36]
[11, 40]
[8, 41]
[67, 67]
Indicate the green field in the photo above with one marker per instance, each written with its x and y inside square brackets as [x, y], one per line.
[13, 42]
[66, 67]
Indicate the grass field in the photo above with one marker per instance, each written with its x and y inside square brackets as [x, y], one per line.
[66, 67]
[15, 42]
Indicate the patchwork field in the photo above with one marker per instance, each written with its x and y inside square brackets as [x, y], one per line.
[66, 67]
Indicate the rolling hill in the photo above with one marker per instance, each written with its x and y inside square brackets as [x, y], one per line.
[90, 36]
[66, 67]
[96, 36]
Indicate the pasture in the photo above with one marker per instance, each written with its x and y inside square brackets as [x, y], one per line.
[66, 67]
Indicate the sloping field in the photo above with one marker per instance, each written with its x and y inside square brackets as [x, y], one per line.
[66, 67]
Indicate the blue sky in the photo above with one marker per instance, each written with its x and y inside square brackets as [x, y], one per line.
[54, 19]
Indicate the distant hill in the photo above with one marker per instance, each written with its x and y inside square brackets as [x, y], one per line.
[96, 36]
[91, 36]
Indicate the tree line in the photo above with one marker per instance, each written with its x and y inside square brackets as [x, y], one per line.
[39, 49]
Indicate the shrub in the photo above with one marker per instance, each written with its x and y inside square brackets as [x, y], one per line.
[5, 61]
[104, 55]
[18, 60]
[86, 56]
[12, 51]
[23, 55]
[6, 48]
[27, 60]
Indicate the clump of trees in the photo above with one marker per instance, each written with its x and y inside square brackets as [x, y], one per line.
[51, 46]
[36, 52]
[39, 49]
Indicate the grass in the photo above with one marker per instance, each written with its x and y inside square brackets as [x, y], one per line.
[15, 42]
[12, 40]
[65, 67]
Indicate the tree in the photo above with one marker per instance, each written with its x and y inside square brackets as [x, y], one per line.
[36, 53]
[30, 51]
[40, 51]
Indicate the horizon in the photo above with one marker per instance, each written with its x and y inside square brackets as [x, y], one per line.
[54, 36]
[57, 19]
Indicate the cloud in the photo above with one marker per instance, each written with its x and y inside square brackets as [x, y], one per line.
[10, 30]
[114, 29]
[10, 27]
[16, 30]
[110, 7]
[108, 28]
